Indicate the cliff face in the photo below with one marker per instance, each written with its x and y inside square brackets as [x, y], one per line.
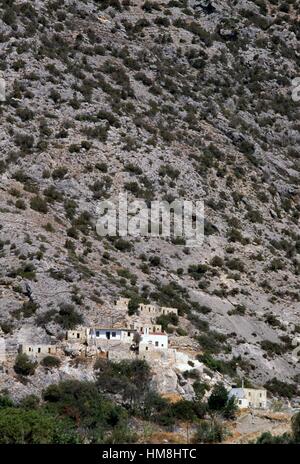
[188, 99]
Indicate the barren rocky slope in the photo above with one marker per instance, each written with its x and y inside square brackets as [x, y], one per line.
[162, 99]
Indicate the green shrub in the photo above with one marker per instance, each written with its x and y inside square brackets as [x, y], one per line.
[51, 361]
[23, 365]
[211, 431]
[29, 308]
[197, 271]
[60, 172]
[266, 438]
[272, 348]
[22, 426]
[20, 204]
[122, 245]
[68, 317]
[219, 401]
[279, 388]
[39, 204]
[165, 319]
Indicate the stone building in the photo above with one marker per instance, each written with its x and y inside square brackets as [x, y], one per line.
[147, 310]
[39, 351]
[249, 397]
[155, 311]
[122, 303]
[140, 327]
[80, 335]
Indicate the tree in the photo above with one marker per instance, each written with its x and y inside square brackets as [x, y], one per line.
[51, 361]
[267, 438]
[218, 398]
[220, 402]
[68, 317]
[230, 409]
[5, 401]
[20, 426]
[23, 365]
[83, 404]
[296, 427]
[211, 431]
[200, 389]
[133, 306]
[184, 410]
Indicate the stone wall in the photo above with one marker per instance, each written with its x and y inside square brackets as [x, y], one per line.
[39, 351]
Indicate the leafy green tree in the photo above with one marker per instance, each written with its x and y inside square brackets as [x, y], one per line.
[5, 401]
[131, 379]
[200, 388]
[23, 365]
[133, 306]
[30, 402]
[83, 404]
[165, 319]
[19, 426]
[211, 431]
[221, 403]
[267, 438]
[51, 361]
[154, 405]
[68, 317]
[218, 398]
[230, 409]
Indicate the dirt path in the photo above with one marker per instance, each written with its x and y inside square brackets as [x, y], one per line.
[248, 427]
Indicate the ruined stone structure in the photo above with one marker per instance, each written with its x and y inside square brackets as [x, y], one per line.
[39, 351]
[80, 335]
[145, 310]
[140, 327]
[138, 337]
[155, 311]
[122, 303]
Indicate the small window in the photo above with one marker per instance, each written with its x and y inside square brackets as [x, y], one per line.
[49, 350]
[240, 401]
[128, 334]
[39, 350]
[113, 334]
[156, 343]
[97, 333]
[146, 348]
[78, 335]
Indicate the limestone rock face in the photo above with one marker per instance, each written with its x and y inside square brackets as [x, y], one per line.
[165, 380]
[191, 100]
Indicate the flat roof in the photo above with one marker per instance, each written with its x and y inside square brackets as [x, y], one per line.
[113, 329]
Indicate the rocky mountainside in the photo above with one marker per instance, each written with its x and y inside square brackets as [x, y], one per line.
[162, 100]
